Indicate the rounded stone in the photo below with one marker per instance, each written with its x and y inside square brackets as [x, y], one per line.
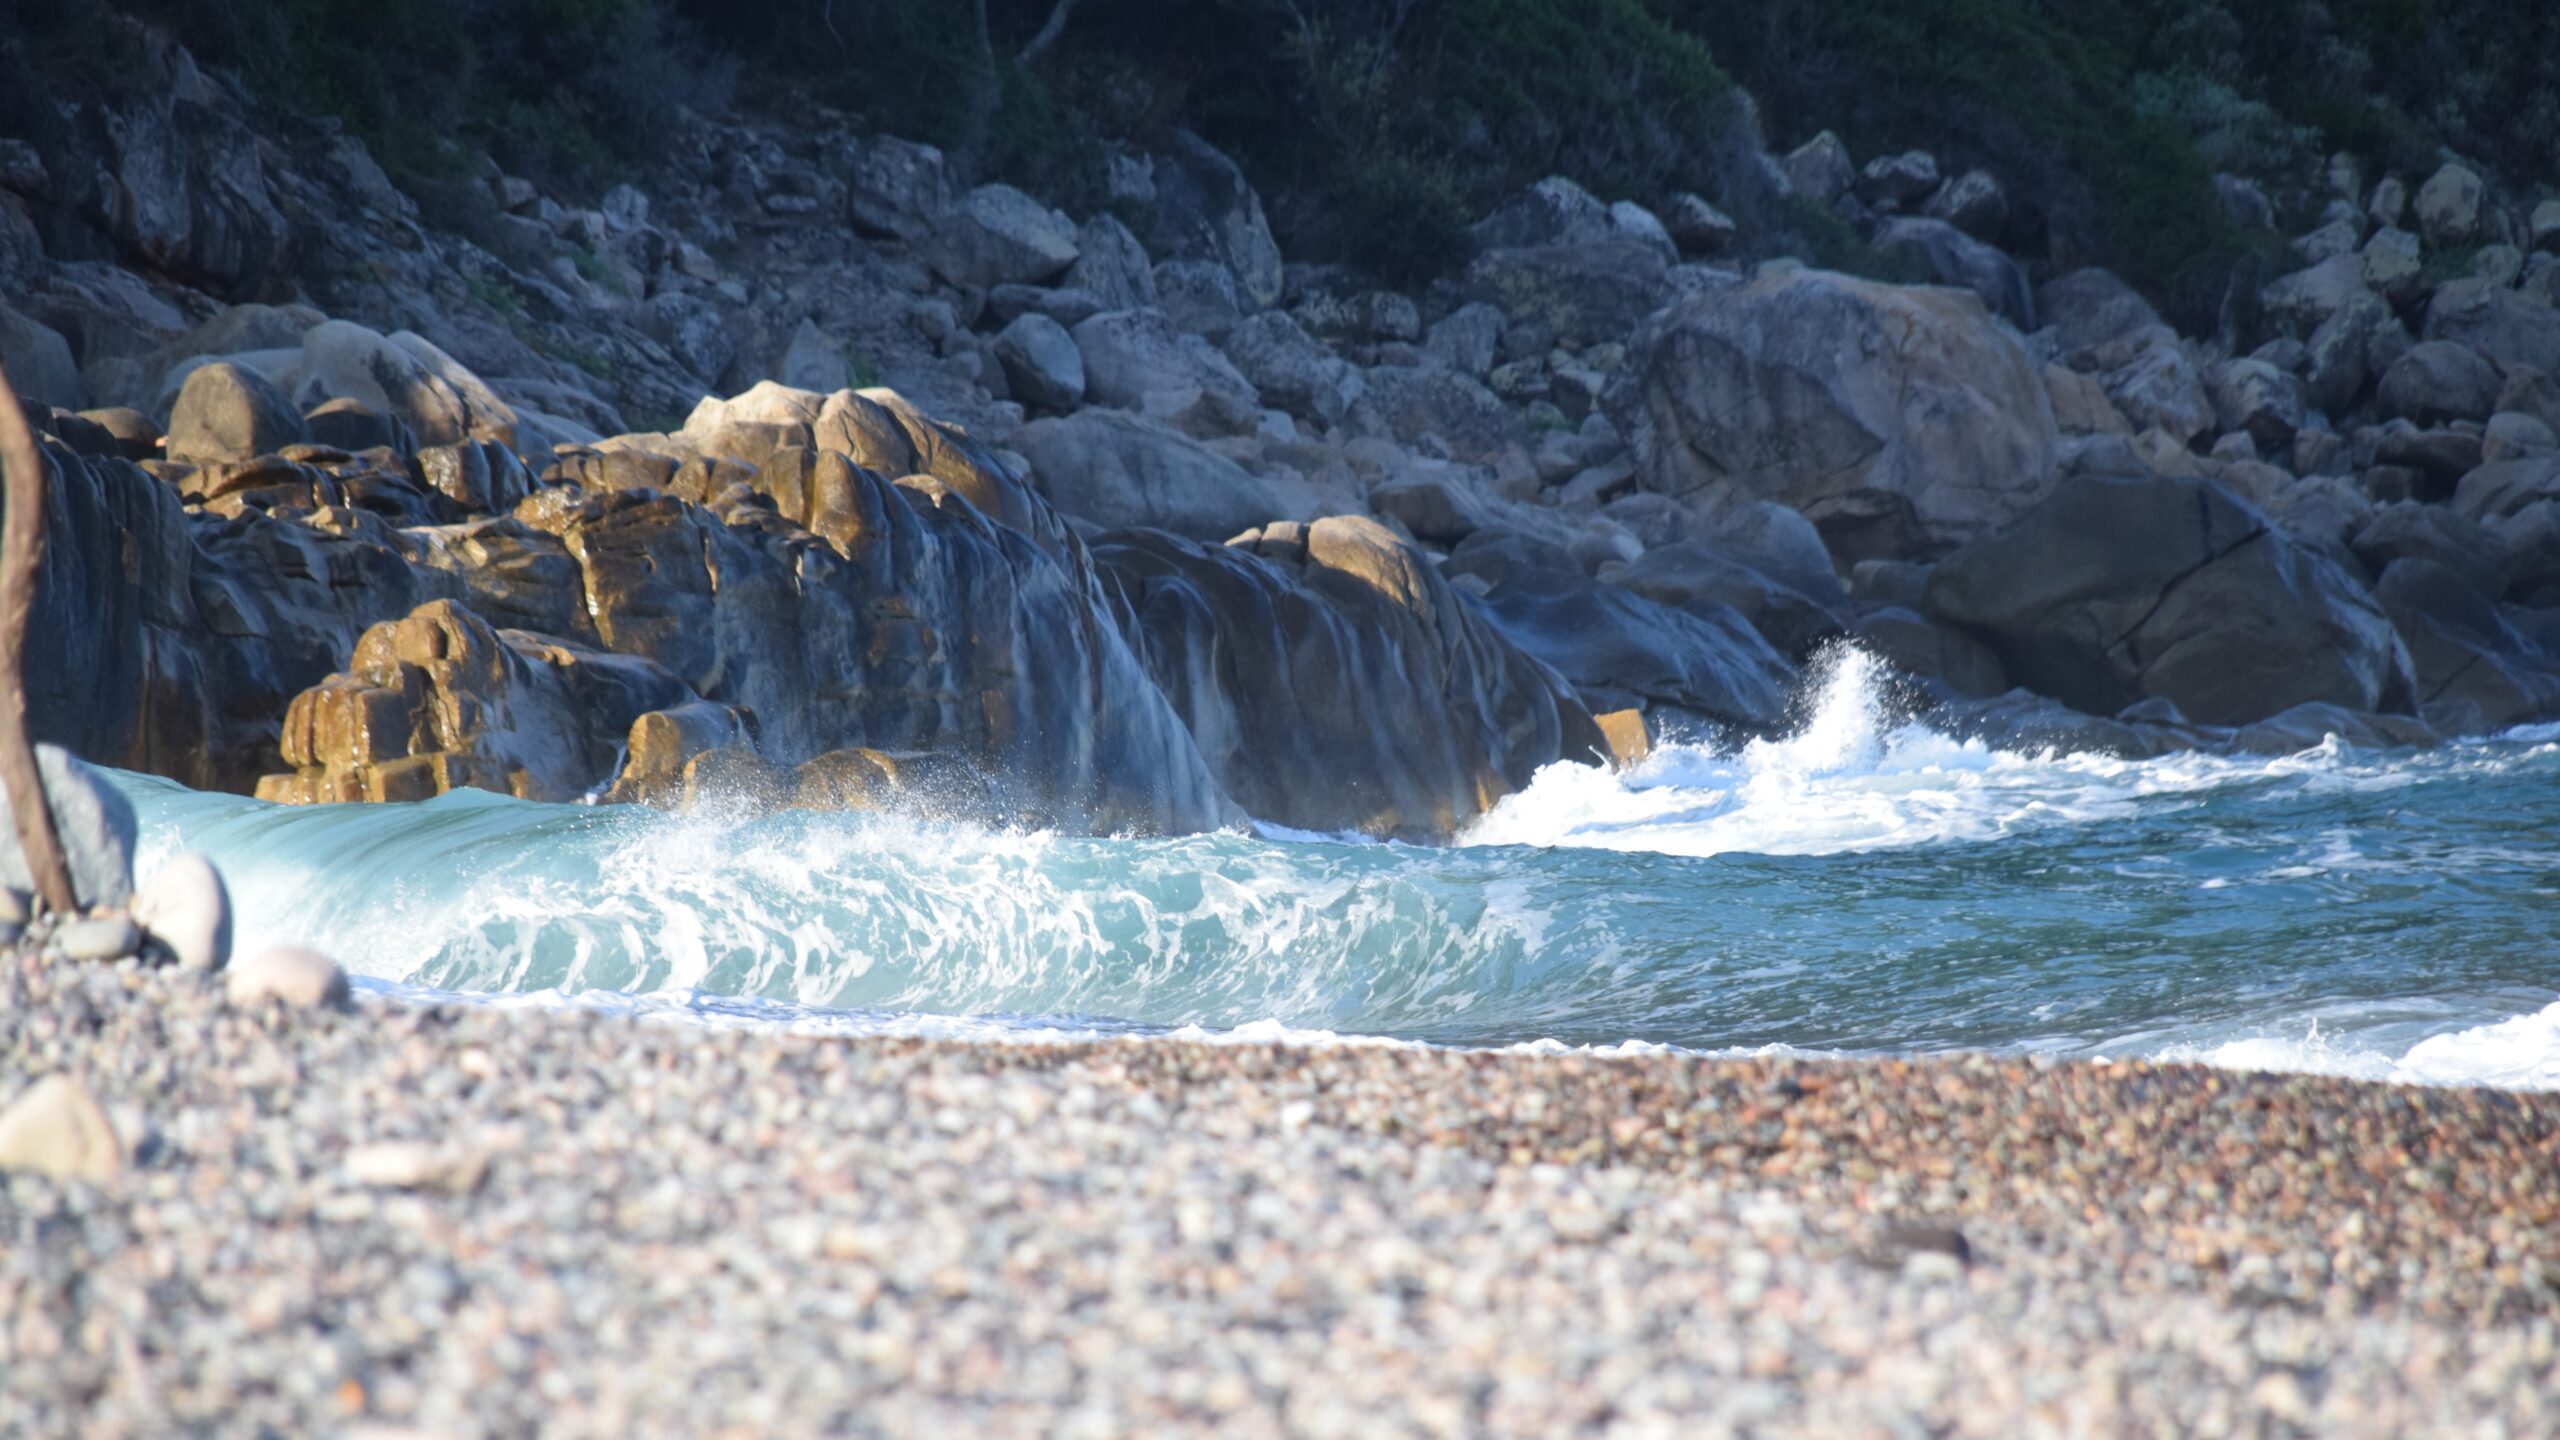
[104, 937]
[186, 907]
[56, 1127]
[300, 977]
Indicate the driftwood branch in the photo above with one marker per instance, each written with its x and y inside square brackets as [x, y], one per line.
[21, 554]
[1050, 30]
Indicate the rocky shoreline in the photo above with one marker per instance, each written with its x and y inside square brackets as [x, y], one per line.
[806, 469]
[441, 1222]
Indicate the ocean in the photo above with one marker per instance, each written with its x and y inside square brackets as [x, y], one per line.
[1866, 886]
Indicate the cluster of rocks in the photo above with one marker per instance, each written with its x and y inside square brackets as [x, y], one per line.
[1148, 527]
[179, 917]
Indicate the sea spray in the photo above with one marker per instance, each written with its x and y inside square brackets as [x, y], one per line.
[1862, 885]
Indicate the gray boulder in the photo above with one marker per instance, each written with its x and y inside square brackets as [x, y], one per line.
[2507, 326]
[897, 187]
[1293, 369]
[2160, 389]
[2440, 534]
[2448, 205]
[2438, 380]
[997, 235]
[2359, 340]
[1904, 179]
[1952, 257]
[1129, 354]
[1204, 210]
[39, 361]
[2256, 398]
[231, 412]
[1112, 265]
[1901, 421]
[2090, 307]
[1467, 339]
[2394, 265]
[93, 821]
[1586, 293]
[1199, 297]
[1622, 650]
[1420, 405]
[2117, 590]
[1041, 364]
[2475, 672]
[1820, 169]
[2299, 302]
[1115, 470]
[1972, 202]
[1683, 574]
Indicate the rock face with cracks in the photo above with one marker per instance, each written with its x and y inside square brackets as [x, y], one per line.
[2121, 589]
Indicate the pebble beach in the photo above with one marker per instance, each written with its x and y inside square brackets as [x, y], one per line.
[400, 1220]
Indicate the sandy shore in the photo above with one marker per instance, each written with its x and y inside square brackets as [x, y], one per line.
[475, 1222]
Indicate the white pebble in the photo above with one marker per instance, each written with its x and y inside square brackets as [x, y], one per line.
[105, 937]
[187, 908]
[56, 1128]
[299, 977]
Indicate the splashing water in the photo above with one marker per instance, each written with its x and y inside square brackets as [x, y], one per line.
[1859, 886]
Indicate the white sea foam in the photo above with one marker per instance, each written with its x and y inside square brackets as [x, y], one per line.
[1846, 781]
[2518, 1053]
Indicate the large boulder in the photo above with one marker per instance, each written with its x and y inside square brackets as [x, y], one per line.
[1336, 682]
[1422, 405]
[1042, 366]
[2161, 389]
[1131, 354]
[1693, 575]
[39, 361]
[2475, 671]
[996, 235]
[1115, 470]
[2507, 326]
[231, 412]
[2438, 380]
[896, 187]
[1589, 293]
[1902, 421]
[1622, 650]
[180, 183]
[2448, 205]
[403, 376]
[1294, 370]
[1951, 257]
[1204, 210]
[1556, 211]
[1112, 266]
[2119, 589]
[2090, 307]
[1820, 169]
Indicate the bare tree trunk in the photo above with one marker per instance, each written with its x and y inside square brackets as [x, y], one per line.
[986, 91]
[21, 553]
[1050, 30]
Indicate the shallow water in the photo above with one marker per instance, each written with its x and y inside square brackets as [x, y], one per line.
[1862, 887]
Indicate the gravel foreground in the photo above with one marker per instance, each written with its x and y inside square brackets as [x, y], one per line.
[468, 1222]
